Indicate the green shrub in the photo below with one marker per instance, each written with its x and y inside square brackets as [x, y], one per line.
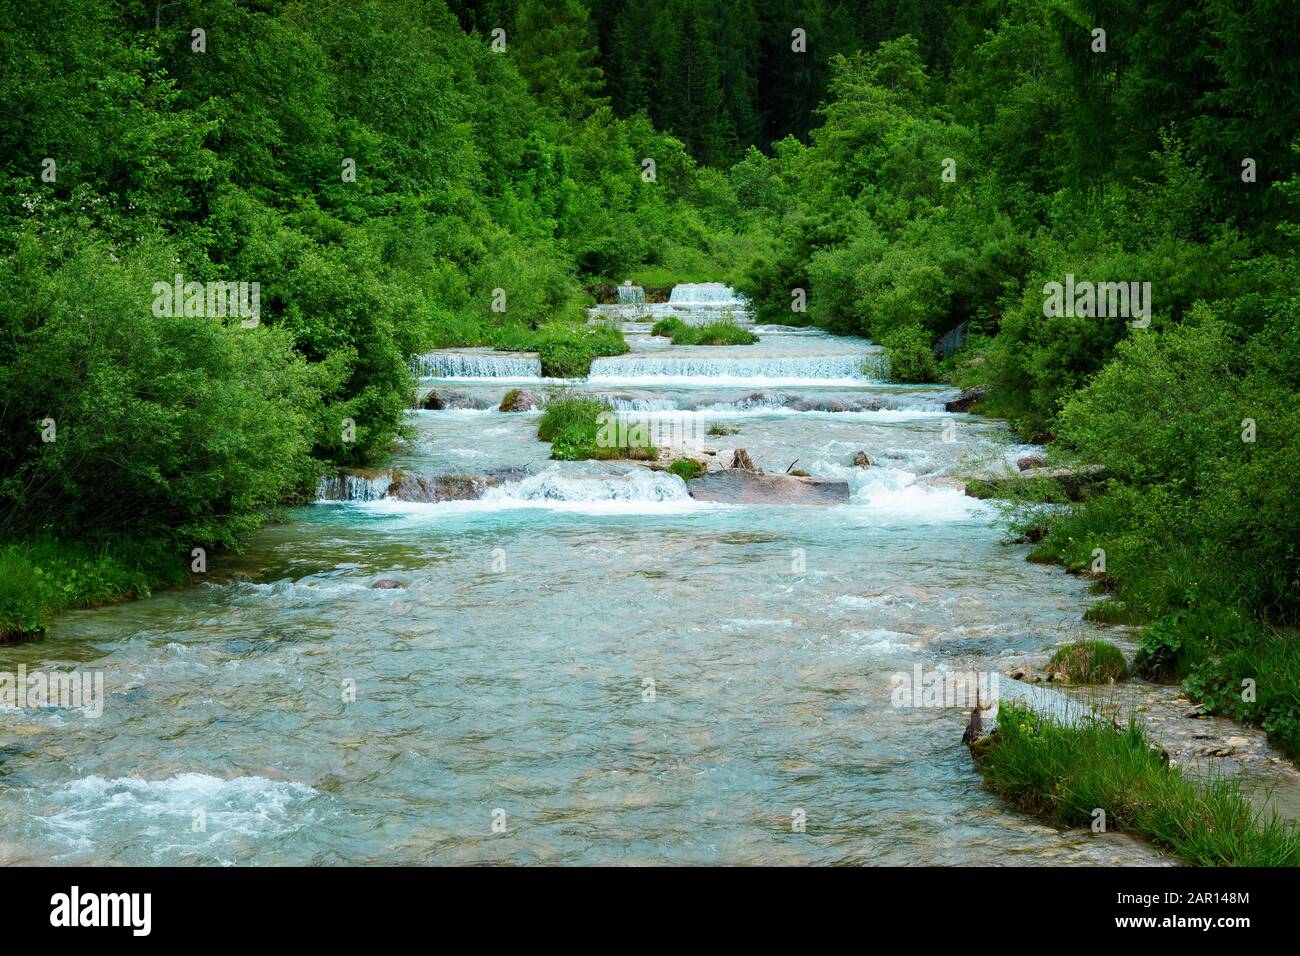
[41, 576]
[667, 327]
[1257, 681]
[585, 428]
[686, 468]
[565, 350]
[910, 356]
[1090, 662]
[168, 428]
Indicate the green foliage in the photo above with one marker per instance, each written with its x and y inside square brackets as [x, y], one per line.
[182, 429]
[565, 350]
[715, 333]
[910, 358]
[1090, 662]
[686, 468]
[585, 428]
[41, 576]
[1064, 773]
[1255, 680]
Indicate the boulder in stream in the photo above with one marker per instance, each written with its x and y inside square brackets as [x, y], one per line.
[520, 400]
[964, 401]
[434, 488]
[440, 398]
[745, 486]
[860, 460]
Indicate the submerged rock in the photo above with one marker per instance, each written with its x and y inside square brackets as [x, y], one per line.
[744, 486]
[388, 584]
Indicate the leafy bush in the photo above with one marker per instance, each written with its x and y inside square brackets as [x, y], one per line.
[181, 429]
[565, 350]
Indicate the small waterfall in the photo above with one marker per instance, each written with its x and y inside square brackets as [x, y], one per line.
[484, 364]
[352, 487]
[623, 404]
[799, 367]
[552, 485]
[705, 294]
[631, 295]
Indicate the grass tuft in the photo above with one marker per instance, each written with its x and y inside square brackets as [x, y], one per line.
[577, 432]
[1090, 662]
[1063, 774]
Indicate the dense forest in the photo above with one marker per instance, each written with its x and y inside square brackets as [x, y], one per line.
[406, 174]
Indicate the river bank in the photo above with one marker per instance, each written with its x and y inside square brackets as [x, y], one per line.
[626, 672]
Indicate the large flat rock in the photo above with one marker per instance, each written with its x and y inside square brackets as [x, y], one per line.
[740, 486]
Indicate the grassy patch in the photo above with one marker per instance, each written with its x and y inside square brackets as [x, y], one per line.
[585, 428]
[716, 333]
[686, 468]
[1256, 682]
[1090, 662]
[1110, 611]
[40, 577]
[718, 430]
[1063, 774]
[566, 350]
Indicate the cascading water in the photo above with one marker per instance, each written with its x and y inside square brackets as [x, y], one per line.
[485, 364]
[345, 487]
[706, 367]
[554, 485]
[508, 669]
[631, 295]
[713, 295]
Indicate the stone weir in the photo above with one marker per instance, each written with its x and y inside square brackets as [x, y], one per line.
[352, 484]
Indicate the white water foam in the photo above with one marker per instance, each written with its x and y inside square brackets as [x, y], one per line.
[241, 806]
[455, 366]
[553, 486]
[708, 371]
[706, 294]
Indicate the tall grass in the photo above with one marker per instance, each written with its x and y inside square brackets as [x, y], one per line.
[1065, 773]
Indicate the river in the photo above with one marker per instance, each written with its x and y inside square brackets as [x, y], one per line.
[586, 665]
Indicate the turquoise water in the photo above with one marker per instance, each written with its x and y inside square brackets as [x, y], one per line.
[628, 675]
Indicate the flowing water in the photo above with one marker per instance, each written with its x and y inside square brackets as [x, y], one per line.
[603, 667]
